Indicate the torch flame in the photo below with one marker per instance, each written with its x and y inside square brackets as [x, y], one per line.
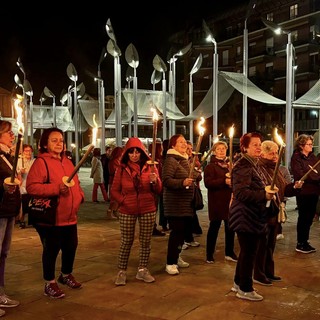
[200, 127]
[278, 138]
[155, 114]
[19, 112]
[216, 138]
[231, 131]
[94, 131]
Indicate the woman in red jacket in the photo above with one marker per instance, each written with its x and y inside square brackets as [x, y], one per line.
[64, 235]
[134, 188]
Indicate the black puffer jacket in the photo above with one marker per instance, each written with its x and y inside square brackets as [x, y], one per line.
[176, 198]
[9, 202]
[248, 212]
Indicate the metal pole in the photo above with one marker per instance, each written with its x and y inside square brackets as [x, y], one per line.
[117, 88]
[164, 111]
[245, 74]
[135, 103]
[289, 135]
[76, 133]
[103, 116]
[191, 109]
[215, 91]
[173, 123]
[31, 121]
[54, 112]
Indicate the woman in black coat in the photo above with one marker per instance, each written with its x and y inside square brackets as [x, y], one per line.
[248, 213]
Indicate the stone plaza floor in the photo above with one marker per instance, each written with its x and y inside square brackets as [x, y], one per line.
[201, 291]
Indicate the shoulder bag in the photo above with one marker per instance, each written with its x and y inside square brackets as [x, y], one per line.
[197, 201]
[42, 210]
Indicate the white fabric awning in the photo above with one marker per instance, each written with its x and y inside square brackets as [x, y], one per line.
[311, 99]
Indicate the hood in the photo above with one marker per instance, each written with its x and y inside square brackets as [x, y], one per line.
[134, 143]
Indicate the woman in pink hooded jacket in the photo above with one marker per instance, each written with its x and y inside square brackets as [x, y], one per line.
[134, 188]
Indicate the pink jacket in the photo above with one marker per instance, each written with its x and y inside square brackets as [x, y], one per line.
[133, 199]
[69, 203]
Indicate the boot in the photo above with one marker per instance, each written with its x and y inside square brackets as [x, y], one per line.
[110, 215]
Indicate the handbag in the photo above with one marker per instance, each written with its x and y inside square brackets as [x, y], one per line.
[41, 210]
[197, 200]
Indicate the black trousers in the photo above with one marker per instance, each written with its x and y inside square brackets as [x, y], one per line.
[212, 236]
[53, 240]
[248, 249]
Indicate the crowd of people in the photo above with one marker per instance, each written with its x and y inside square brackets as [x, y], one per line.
[142, 191]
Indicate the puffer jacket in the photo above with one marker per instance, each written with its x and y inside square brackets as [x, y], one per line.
[248, 211]
[69, 203]
[299, 166]
[9, 202]
[176, 198]
[135, 199]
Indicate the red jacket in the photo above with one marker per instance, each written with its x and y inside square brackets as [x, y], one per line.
[69, 203]
[139, 199]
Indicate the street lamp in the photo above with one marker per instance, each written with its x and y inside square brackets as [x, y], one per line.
[129, 79]
[172, 80]
[251, 6]
[48, 93]
[132, 58]
[101, 96]
[194, 69]
[289, 85]
[73, 76]
[115, 51]
[160, 66]
[215, 57]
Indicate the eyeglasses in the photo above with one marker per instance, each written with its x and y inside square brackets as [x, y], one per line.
[309, 144]
[10, 132]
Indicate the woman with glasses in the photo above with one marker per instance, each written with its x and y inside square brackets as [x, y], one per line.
[135, 187]
[9, 207]
[302, 159]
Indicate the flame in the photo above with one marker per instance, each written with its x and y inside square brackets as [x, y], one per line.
[278, 138]
[19, 112]
[231, 131]
[94, 131]
[200, 127]
[216, 138]
[155, 114]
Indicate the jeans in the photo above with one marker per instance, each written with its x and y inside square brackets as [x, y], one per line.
[6, 229]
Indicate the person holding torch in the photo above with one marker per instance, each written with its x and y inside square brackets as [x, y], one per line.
[9, 207]
[305, 167]
[64, 235]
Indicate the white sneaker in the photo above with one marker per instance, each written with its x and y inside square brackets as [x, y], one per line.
[192, 244]
[252, 296]
[280, 236]
[172, 269]
[184, 246]
[182, 264]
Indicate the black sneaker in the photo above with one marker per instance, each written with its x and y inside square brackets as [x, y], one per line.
[304, 248]
[274, 278]
[158, 233]
[310, 247]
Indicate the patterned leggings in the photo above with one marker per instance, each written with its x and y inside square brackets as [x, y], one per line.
[127, 229]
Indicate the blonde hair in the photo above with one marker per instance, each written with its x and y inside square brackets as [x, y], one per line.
[219, 143]
[267, 146]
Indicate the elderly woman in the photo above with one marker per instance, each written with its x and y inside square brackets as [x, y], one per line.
[307, 199]
[248, 213]
[178, 189]
[219, 195]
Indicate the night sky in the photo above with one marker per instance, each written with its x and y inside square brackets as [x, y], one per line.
[49, 37]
